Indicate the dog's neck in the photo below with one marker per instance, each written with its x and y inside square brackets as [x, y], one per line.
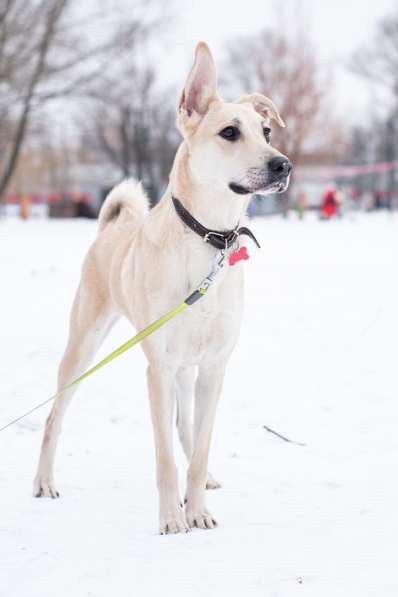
[215, 207]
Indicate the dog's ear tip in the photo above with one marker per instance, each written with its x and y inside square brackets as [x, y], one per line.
[203, 50]
[263, 105]
[202, 45]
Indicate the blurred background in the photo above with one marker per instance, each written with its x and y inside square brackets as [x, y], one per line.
[88, 96]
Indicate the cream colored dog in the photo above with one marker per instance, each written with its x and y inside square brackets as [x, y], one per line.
[143, 263]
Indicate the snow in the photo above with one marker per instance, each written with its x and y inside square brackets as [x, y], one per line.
[316, 362]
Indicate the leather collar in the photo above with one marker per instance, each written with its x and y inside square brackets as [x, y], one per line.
[219, 239]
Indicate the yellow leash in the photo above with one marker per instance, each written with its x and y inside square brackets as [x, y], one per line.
[200, 291]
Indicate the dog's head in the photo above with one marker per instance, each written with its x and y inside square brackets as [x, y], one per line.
[229, 143]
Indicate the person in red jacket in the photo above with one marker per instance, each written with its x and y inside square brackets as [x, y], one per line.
[330, 203]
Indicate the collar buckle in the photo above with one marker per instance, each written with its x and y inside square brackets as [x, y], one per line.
[220, 235]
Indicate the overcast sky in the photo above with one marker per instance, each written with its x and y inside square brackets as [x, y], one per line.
[337, 27]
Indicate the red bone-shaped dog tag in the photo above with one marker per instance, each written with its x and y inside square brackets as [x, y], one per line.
[241, 255]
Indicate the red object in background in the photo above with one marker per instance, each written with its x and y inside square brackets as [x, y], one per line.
[54, 198]
[329, 203]
[11, 199]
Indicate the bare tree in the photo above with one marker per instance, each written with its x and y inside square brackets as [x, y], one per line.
[47, 53]
[131, 124]
[285, 67]
[48, 16]
[378, 62]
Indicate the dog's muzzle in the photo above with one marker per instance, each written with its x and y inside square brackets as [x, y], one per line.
[272, 178]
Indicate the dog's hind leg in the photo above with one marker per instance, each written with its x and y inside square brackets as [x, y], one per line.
[185, 394]
[91, 319]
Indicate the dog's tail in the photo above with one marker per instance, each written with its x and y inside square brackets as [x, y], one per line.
[127, 201]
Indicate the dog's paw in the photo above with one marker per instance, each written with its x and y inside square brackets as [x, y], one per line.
[44, 487]
[212, 483]
[201, 519]
[173, 523]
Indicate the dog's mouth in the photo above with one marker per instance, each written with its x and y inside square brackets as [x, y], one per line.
[275, 186]
[239, 189]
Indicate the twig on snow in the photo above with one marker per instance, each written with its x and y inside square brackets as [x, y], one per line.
[285, 439]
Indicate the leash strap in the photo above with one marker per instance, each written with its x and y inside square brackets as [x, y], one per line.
[202, 288]
[217, 238]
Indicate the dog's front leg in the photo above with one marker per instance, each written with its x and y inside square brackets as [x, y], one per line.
[208, 389]
[162, 393]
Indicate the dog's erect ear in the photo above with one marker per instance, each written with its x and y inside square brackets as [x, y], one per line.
[263, 105]
[201, 86]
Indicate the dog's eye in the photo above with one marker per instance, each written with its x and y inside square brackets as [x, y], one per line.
[230, 133]
[267, 134]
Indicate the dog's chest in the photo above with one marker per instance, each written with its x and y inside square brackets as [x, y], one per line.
[210, 327]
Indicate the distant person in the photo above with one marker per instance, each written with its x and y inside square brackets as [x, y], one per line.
[25, 210]
[330, 204]
[302, 204]
[379, 199]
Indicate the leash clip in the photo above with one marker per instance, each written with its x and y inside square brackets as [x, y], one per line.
[218, 264]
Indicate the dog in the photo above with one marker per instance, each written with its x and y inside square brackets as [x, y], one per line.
[143, 262]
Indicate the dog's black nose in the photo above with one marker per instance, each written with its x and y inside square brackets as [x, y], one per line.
[280, 166]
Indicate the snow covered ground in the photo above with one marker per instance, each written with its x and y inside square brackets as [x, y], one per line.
[317, 361]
